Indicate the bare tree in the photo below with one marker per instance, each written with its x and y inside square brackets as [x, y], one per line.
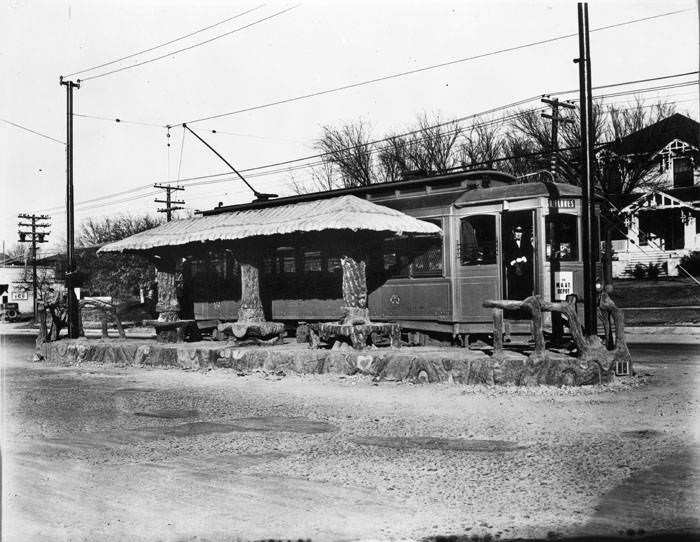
[99, 231]
[482, 144]
[323, 178]
[518, 151]
[349, 149]
[114, 274]
[436, 143]
[393, 159]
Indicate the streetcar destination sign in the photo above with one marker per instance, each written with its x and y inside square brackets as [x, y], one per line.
[562, 203]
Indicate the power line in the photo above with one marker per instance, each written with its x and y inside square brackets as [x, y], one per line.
[255, 172]
[120, 120]
[459, 119]
[189, 47]
[162, 44]
[32, 131]
[425, 68]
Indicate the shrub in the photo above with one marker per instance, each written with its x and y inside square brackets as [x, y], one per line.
[653, 271]
[691, 263]
[639, 271]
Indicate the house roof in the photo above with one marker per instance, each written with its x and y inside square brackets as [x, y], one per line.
[656, 199]
[340, 213]
[656, 136]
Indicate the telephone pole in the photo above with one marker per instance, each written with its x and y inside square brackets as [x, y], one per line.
[555, 268]
[73, 319]
[170, 204]
[587, 139]
[555, 104]
[34, 232]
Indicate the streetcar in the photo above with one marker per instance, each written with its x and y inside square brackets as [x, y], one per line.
[435, 284]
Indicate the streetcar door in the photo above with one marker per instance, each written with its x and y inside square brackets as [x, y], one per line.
[518, 254]
[477, 269]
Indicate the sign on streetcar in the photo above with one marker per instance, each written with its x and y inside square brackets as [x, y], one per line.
[562, 203]
[563, 284]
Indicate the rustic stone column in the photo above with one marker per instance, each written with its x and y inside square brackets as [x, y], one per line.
[354, 290]
[251, 309]
[168, 307]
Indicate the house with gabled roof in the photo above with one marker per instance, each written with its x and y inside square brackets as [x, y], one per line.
[662, 220]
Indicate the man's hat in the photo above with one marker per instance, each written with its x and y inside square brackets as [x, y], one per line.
[518, 228]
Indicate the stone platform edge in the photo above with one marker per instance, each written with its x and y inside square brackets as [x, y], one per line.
[418, 364]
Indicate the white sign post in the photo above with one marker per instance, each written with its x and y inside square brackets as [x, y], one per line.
[563, 284]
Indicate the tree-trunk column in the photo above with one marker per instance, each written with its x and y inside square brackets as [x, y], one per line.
[355, 290]
[251, 306]
[168, 307]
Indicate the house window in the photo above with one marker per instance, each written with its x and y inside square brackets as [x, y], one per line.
[682, 171]
[478, 240]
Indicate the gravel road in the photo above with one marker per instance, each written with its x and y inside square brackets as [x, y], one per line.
[106, 453]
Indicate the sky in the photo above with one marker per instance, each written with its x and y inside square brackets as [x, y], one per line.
[311, 47]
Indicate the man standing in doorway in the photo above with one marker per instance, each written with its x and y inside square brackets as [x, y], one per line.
[519, 269]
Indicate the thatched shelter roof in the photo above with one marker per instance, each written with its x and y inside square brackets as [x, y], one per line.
[341, 213]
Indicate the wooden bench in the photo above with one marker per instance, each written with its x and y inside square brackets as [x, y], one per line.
[255, 332]
[175, 331]
[357, 334]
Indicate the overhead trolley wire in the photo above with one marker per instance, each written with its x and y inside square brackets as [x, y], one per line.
[425, 68]
[91, 68]
[634, 82]
[32, 131]
[213, 178]
[117, 70]
[120, 120]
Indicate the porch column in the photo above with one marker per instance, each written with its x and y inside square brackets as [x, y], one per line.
[251, 309]
[689, 233]
[355, 289]
[633, 230]
[168, 307]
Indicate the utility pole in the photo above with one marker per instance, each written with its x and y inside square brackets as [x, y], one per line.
[35, 234]
[554, 266]
[555, 104]
[73, 320]
[584, 67]
[170, 205]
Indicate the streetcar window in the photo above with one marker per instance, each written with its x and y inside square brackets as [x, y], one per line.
[427, 259]
[312, 261]
[287, 260]
[562, 230]
[397, 260]
[268, 264]
[478, 240]
[333, 264]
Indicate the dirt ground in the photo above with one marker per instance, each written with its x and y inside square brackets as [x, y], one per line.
[107, 453]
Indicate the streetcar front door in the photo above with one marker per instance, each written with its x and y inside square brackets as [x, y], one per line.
[518, 254]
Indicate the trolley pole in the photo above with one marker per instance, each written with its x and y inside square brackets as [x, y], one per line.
[73, 321]
[584, 63]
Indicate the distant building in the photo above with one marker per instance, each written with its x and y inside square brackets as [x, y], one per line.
[662, 221]
[16, 287]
